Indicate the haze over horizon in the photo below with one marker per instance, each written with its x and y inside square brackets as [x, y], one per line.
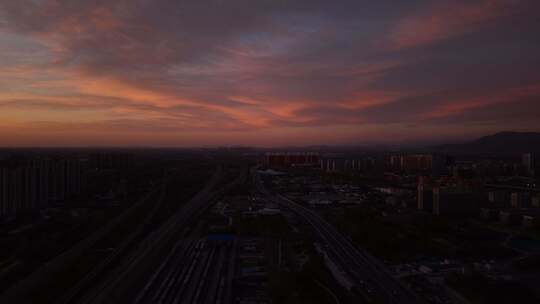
[266, 73]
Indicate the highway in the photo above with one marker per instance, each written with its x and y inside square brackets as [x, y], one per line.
[369, 275]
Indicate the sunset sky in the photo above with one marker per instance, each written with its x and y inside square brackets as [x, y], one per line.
[266, 73]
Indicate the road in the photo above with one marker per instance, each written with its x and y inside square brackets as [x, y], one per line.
[369, 275]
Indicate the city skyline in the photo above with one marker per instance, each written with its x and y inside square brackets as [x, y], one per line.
[270, 73]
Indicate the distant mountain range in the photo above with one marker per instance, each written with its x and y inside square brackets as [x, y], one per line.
[499, 143]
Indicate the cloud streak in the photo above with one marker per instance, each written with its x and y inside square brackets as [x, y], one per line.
[203, 72]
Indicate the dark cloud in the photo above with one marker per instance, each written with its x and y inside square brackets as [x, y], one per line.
[243, 64]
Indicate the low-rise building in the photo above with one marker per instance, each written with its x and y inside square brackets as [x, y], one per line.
[531, 220]
[520, 199]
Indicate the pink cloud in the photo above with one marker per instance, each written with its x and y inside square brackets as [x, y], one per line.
[447, 20]
[508, 96]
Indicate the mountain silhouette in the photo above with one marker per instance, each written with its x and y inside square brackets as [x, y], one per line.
[500, 143]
